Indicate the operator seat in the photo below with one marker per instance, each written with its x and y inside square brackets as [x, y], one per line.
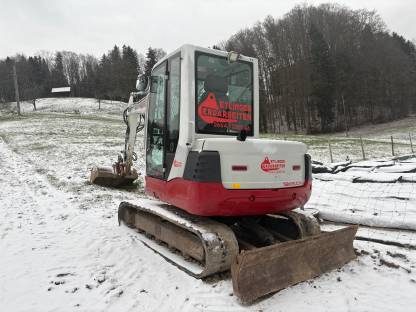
[219, 86]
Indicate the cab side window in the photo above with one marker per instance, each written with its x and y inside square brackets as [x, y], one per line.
[172, 109]
[156, 124]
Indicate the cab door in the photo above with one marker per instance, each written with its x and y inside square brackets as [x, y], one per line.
[156, 123]
[172, 111]
[163, 118]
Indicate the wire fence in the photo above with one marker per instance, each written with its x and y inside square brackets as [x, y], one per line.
[339, 149]
[396, 147]
[379, 194]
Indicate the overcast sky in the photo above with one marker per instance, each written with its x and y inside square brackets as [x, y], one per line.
[94, 26]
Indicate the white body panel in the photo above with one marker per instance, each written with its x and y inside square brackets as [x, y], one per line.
[269, 163]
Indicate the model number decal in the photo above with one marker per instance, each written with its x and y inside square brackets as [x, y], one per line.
[293, 183]
[273, 166]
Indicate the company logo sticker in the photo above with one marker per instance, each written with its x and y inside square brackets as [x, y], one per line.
[273, 166]
[210, 111]
[177, 163]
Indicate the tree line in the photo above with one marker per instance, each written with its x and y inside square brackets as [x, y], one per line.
[113, 76]
[322, 68]
[327, 68]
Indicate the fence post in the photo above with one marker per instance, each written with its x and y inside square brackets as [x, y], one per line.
[392, 145]
[411, 143]
[362, 147]
[330, 151]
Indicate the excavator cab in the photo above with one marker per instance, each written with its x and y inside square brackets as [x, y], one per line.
[202, 138]
[193, 94]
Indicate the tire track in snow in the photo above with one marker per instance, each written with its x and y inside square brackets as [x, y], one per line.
[40, 247]
[87, 243]
[208, 301]
[33, 240]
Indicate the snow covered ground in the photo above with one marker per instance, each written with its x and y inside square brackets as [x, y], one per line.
[68, 105]
[61, 248]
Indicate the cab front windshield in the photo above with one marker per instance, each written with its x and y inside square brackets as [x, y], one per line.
[224, 95]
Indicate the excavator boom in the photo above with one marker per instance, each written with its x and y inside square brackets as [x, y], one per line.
[122, 172]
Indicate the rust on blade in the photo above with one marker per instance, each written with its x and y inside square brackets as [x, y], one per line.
[258, 272]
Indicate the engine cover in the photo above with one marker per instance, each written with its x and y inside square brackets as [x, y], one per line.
[251, 164]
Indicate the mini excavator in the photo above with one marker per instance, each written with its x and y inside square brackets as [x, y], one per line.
[222, 198]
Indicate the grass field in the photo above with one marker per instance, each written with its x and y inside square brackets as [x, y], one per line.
[376, 138]
[376, 141]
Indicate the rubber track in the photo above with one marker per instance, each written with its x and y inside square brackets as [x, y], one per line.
[218, 241]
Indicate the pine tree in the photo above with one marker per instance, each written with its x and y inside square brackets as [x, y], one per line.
[58, 77]
[151, 60]
[130, 67]
[89, 81]
[102, 82]
[116, 73]
[322, 78]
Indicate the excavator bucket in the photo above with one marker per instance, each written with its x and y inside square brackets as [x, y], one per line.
[105, 176]
[261, 271]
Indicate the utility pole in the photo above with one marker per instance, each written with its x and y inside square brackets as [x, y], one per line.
[16, 88]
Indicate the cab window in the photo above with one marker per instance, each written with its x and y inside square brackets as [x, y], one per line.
[224, 95]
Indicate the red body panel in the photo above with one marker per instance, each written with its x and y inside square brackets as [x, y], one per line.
[212, 199]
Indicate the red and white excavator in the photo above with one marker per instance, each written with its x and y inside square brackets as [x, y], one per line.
[224, 198]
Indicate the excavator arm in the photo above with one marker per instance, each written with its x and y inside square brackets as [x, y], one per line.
[134, 117]
[122, 172]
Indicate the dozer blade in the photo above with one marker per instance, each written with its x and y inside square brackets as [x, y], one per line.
[265, 270]
[105, 176]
